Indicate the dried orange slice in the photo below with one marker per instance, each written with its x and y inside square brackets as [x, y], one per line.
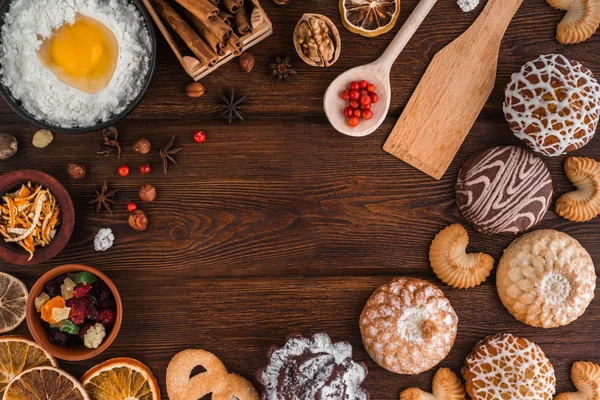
[48, 383]
[369, 17]
[121, 379]
[18, 354]
[13, 299]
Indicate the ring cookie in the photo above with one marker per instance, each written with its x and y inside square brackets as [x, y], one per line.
[546, 279]
[553, 105]
[507, 367]
[408, 326]
[503, 190]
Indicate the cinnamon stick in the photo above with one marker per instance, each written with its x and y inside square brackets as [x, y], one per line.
[242, 22]
[233, 6]
[226, 17]
[215, 2]
[235, 45]
[202, 9]
[194, 42]
[215, 32]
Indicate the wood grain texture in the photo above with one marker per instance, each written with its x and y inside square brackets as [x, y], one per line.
[282, 225]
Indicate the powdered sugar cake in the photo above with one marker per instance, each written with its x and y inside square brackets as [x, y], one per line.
[408, 326]
[507, 367]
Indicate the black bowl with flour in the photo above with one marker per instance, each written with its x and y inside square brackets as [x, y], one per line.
[17, 107]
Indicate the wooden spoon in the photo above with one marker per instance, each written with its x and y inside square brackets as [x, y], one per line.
[378, 73]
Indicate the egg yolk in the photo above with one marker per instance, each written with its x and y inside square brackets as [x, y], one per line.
[82, 55]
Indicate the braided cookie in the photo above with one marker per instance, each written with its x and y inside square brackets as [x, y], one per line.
[583, 204]
[445, 386]
[586, 378]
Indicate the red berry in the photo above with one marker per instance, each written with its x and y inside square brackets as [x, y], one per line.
[370, 88]
[367, 114]
[354, 104]
[364, 92]
[355, 95]
[353, 122]
[348, 112]
[364, 99]
[357, 113]
[106, 316]
[199, 137]
[363, 84]
[346, 94]
[374, 98]
[79, 309]
[354, 85]
[145, 169]
[81, 290]
[131, 206]
[365, 106]
[123, 170]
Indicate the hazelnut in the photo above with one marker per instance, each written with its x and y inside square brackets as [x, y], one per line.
[247, 61]
[142, 146]
[147, 193]
[8, 146]
[195, 90]
[138, 220]
[76, 171]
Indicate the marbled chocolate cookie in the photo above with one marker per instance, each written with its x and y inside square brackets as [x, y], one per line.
[505, 189]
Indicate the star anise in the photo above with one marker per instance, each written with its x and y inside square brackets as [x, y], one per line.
[282, 69]
[103, 198]
[110, 142]
[167, 153]
[231, 106]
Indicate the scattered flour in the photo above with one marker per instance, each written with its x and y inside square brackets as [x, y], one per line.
[467, 5]
[29, 22]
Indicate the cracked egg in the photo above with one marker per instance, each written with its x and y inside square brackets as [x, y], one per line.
[82, 55]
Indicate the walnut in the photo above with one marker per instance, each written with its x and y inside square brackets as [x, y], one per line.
[317, 40]
[8, 146]
[142, 146]
[147, 193]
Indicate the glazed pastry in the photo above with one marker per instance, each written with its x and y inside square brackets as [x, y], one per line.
[408, 326]
[553, 104]
[446, 386]
[451, 263]
[313, 369]
[504, 366]
[586, 378]
[584, 203]
[580, 22]
[504, 189]
[546, 279]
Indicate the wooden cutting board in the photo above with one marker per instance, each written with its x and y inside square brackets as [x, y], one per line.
[451, 94]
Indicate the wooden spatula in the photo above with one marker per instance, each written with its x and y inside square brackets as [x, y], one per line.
[452, 93]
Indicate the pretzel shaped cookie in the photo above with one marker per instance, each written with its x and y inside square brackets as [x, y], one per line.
[216, 380]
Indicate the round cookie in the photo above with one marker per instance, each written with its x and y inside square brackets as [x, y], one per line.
[408, 326]
[553, 105]
[507, 367]
[546, 279]
[503, 190]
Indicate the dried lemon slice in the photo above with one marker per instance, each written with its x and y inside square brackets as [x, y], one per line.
[369, 17]
[49, 383]
[13, 299]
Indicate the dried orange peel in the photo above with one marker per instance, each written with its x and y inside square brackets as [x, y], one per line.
[46, 310]
[452, 264]
[30, 217]
[216, 380]
[583, 204]
[580, 22]
[446, 386]
[586, 378]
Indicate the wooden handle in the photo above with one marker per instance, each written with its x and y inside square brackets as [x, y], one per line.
[406, 33]
[495, 18]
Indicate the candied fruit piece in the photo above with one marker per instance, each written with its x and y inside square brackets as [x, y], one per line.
[57, 337]
[52, 287]
[92, 313]
[79, 309]
[56, 302]
[69, 327]
[84, 277]
[106, 317]
[66, 289]
[81, 290]
[40, 301]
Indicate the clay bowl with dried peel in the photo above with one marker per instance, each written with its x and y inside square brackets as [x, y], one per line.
[70, 352]
[12, 252]
[26, 115]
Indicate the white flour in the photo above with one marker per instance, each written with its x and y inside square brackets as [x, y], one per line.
[29, 22]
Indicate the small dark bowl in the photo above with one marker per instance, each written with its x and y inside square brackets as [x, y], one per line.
[40, 334]
[12, 252]
[19, 109]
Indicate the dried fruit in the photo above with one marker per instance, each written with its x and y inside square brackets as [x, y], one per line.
[79, 309]
[57, 337]
[84, 277]
[56, 302]
[42, 138]
[142, 146]
[246, 61]
[8, 146]
[52, 287]
[84, 329]
[76, 171]
[67, 288]
[106, 317]
[138, 220]
[92, 312]
[147, 193]
[369, 18]
[317, 40]
[40, 301]
[81, 290]
[195, 90]
[110, 141]
[69, 327]
[282, 69]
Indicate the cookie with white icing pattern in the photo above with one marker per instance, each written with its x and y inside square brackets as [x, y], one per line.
[504, 190]
[507, 367]
[546, 279]
[408, 326]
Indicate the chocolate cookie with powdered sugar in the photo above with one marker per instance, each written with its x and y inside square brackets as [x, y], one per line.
[504, 190]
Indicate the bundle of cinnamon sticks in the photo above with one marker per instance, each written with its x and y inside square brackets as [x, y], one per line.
[209, 28]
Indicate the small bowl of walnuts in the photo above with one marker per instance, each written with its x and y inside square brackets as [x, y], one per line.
[74, 312]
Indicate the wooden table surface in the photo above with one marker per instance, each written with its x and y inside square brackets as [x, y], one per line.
[280, 225]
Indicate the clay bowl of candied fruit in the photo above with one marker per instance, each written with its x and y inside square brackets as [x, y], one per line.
[74, 312]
